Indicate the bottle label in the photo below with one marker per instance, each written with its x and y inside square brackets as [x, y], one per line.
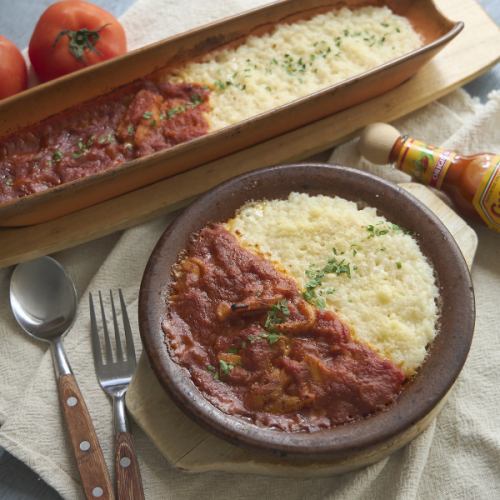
[487, 198]
[425, 163]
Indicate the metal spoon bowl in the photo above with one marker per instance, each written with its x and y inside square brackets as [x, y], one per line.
[43, 299]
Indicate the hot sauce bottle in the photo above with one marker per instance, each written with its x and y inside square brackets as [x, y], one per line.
[472, 182]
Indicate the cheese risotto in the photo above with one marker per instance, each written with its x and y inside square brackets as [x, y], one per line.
[297, 59]
[353, 262]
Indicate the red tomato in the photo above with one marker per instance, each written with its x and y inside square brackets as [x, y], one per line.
[13, 73]
[71, 35]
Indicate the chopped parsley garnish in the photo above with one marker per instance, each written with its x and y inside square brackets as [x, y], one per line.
[315, 276]
[293, 66]
[130, 129]
[225, 368]
[175, 111]
[399, 265]
[375, 231]
[196, 99]
[57, 155]
[277, 314]
[233, 350]
[103, 139]
[333, 266]
[272, 337]
[148, 115]
[312, 297]
[370, 39]
[220, 85]
[213, 371]
[399, 229]
[380, 229]
[82, 149]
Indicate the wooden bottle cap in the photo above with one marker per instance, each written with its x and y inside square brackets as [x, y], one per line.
[376, 142]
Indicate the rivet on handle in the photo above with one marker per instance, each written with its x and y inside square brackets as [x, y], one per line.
[125, 462]
[72, 401]
[85, 446]
[97, 492]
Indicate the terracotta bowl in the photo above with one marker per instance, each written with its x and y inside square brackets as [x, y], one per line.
[353, 444]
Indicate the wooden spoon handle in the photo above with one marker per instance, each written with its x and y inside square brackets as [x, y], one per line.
[128, 474]
[89, 458]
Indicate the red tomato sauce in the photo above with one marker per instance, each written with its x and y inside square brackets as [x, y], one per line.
[255, 348]
[133, 121]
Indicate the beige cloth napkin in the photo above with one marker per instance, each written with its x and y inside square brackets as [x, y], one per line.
[457, 457]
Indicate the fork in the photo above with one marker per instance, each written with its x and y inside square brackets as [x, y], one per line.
[114, 376]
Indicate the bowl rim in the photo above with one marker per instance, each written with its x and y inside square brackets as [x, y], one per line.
[422, 393]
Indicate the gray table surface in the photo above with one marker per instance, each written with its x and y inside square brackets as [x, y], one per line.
[17, 19]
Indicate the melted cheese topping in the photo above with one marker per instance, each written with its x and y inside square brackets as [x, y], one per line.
[297, 59]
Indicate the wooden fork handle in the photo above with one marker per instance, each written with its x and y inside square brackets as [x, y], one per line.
[128, 474]
[88, 453]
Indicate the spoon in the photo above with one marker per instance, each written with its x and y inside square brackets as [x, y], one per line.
[43, 300]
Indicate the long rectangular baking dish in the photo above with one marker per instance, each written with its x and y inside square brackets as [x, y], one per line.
[48, 99]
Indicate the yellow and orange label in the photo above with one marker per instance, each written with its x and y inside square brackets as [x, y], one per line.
[426, 163]
[486, 201]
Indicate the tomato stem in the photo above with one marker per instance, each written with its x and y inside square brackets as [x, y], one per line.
[80, 40]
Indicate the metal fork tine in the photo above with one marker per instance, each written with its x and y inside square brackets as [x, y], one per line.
[128, 331]
[107, 342]
[96, 344]
[119, 351]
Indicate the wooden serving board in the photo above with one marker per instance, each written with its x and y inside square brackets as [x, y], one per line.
[189, 447]
[473, 52]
